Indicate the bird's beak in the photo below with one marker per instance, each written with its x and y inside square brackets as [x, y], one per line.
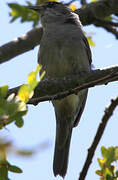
[35, 8]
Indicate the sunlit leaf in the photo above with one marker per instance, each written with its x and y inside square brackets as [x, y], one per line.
[42, 75]
[25, 93]
[94, 0]
[73, 7]
[101, 162]
[90, 41]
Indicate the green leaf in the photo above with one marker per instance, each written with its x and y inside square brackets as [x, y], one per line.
[110, 155]
[104, 152]
[3, 91]
[11, 109]
[24, 13]
[14, 169]
[116, 153]
[25, 153]
[99, 172]
[19, 122]
[108, 177]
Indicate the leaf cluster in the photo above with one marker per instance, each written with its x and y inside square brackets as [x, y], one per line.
[108, 169]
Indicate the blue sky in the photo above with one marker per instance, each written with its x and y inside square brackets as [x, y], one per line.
[39, 124]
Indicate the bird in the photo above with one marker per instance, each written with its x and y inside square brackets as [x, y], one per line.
[64, 51]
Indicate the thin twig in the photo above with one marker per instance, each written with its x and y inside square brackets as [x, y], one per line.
[107, 114]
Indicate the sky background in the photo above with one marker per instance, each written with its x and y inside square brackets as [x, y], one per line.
[39, 127]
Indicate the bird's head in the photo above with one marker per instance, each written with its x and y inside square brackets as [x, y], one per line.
[54, 12]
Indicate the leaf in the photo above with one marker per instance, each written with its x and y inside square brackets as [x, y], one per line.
[73, 7]
[25, 93]
[14, 169]
[19, 122]
[32, 80]
[116, 153]
[110, 155]
[27, 90]
[90, 41]
[101, 162]
[94, 0]
[25, 153]
[42, 75]
[104, 152]
[11, 109]
[24, 13]
[99, 172]
[3, 91]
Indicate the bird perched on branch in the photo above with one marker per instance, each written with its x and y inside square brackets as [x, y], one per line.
[64, 51]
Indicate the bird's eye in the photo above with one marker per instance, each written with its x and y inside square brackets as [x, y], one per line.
[52, 4]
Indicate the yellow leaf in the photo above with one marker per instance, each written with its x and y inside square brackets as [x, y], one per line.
[90, 41]
[42, 75]
[25, 93]
[31, 77]
[73, 7]
[94, 0]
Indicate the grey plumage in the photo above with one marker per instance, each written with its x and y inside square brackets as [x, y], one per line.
[64, 51]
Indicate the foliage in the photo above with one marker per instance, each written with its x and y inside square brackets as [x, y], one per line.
[90, 41]
[13, 108]
[24, 13]
[108, 169]
[27, 90]
[5, 166]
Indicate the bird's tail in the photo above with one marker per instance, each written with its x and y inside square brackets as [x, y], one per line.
[61, 154]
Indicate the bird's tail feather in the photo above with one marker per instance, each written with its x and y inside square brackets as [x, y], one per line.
[61, 154]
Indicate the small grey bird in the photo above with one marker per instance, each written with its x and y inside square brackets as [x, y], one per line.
[64, 51]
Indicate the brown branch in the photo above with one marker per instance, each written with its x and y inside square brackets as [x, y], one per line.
[100, 9]
[60, 88]
[107, 114]
[108, 26]
[87, 14]
[21, 44]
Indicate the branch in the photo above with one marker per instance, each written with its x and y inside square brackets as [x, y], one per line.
[62, 87]
[108, 26]
[100, 9]
[87, 14]
[20, 45]
[107, 114]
